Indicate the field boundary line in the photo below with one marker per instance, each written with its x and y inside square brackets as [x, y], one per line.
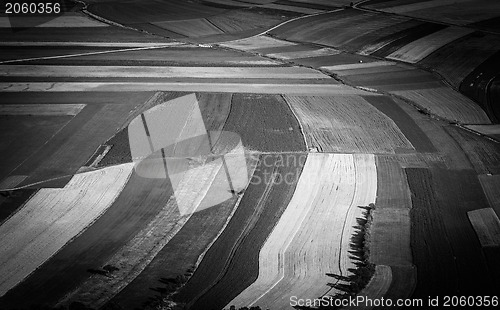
[298, 121]
[87, 54]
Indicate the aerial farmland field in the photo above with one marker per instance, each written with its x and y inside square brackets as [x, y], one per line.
[249, 154]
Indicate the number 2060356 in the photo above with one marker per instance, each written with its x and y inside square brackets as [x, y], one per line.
[28, 8]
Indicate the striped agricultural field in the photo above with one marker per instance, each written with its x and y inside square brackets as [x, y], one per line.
[313, 235]
[492, 130]
[52, 217]
[65, 21]
[377, 287]
[447, 103]
[347, 124]
[487, 226]
[423, 47]
[305, 54]
[491, 184]
[291, 8]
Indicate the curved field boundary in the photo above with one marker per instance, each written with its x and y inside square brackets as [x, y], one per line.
[448, 104]
[133, 257]
[312, 237]
[52, 217]
[491, 184]
[487, 226]
[423, 47]
[377, 287]
[488, 130]
[347, 124]
[231, 263]
[305, 54]
[257, 42]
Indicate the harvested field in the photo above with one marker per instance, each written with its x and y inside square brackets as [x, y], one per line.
[331, 60]
[138, 203]
[347, 124]
[404, 122]
[390, 229]
[319, 221]
[377, 287]
[55, 216]
[459, 58]
[487, 226]
[190, 28]
[265, 123]
[12, 71]
[259, 42]
[358, 67]
[447, 103]
[484, 154]
[491, 184]
[423, 47]
[22, 136]
[487, 130]
[404, 37]
[40, 109]
[225, 270]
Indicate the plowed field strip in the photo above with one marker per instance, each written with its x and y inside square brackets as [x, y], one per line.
[390, 230]
[347, 124]
[226, 270]
[41, 109]
[190, 28]
[258, 42]
[138, 203]
[324, 206]
[487, 226]
[52, 217]
[404, 122]
[432, 253]
[482, 153]
[404, 280]
[377, 287]
[423, 47]
[265, 123]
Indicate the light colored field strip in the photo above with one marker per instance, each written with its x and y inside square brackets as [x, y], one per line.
[258, 88]
[290, 8]
[491, 186]
[160, 72]
[447, 103]
[40, 109]
[313, 235]
[256, 42]
[423, 47]
[377, 287]
[305, 54]
[52, 217]
[84, 54]
[91, 44]
[348, 124]
[487, 226]
[12, 181]
[58, 22]
[422, 5]
[486, 129]
[359, 65]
